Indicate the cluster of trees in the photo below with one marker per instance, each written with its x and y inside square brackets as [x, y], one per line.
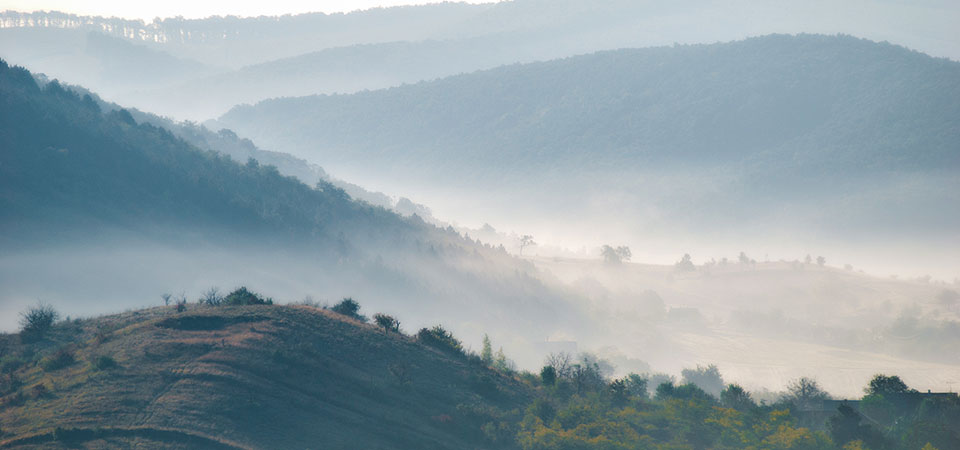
[616, 255]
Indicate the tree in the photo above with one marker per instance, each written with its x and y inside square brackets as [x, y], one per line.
[744, 259]
[615, 255]
[707, 378]
[821, 261]
[526, 241]
[561, 362]
[350, 308]
[166, 298]
[734, 396]
[805, 393]
[243, 296]
[637, 385]
[548, 375]
[441, 339]
[502, 363]
[685, 264]
[808, 259]
[387, 322]
[36, 321]
[211, 297]
[609, 254]
[486, 353]
[886, 385]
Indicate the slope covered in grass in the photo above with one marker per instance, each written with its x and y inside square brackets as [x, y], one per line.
[244, 377]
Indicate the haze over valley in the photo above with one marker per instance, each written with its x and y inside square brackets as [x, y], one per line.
[496, 225]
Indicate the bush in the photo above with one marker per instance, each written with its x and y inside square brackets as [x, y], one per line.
[60, 359]
[243, 296]
[387, 322]
[211, 297]
[104, 362]
[350, 308]
[36, 321]
[441, 339]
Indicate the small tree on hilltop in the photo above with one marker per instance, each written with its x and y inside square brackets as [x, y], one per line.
[486, 353]
[821, 261]
[350, 308]
[441, 339]
[387, 322]
[243, 296]
[36, 321]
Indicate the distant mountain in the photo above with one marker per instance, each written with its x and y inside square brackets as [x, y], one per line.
[113, 65]
[294, 55]
[828, 126]
[78, 184]
[234, 377]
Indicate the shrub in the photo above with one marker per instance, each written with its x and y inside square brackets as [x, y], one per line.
[548, 375]
[104, 362]
[350, 308]
[243, 296]
[441, 339]
[36, 321]
[211, 297]
[387, 322]
[60, 359]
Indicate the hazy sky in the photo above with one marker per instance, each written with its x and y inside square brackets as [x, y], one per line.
[138, 9]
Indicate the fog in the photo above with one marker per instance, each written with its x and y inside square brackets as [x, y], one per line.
[458, 129]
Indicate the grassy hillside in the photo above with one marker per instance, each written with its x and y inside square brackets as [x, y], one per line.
[242, 377]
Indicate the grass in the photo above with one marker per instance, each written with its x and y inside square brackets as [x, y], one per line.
[253, 376]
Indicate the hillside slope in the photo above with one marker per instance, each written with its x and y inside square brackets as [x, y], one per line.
[826, 132]
[86, 194]
[245, 377]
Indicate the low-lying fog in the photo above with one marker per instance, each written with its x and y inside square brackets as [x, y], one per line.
[763, 323]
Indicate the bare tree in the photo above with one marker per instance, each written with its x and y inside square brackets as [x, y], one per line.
[166, 298]
[562, 363]
[806, 393]
[211, 297]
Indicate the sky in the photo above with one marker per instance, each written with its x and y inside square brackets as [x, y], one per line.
[191, 9]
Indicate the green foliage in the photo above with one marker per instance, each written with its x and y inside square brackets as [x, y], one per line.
[387, 322]
[548, 375]
[886, 385]
[242, 296]
[36, 321]
[486, 352]
[707, 378]
[735, 397]
[441, 339]
[350, 308]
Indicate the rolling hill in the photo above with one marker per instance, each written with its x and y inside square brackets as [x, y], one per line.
[781, 131]
[85, 194]
[244, 377]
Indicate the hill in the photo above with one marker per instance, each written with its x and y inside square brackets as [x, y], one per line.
[247, 59]
[86, 195]
[244, 377]
[710, 137]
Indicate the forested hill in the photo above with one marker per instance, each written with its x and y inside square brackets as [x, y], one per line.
[66, 161]
[86, 194]
[808, 98]
[845, 132]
